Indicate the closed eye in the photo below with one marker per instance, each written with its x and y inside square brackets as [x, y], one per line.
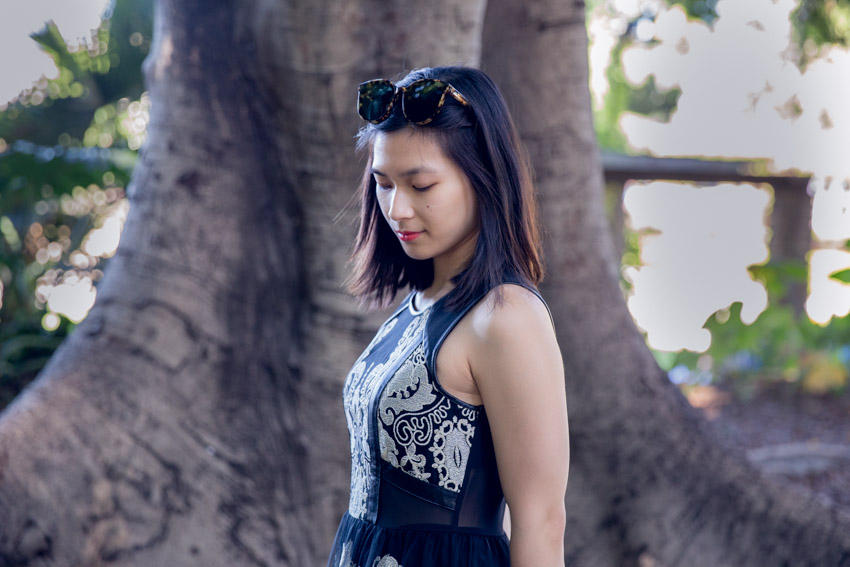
[420, 189]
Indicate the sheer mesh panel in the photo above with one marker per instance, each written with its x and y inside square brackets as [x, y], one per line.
[399, 508]
[483, 506]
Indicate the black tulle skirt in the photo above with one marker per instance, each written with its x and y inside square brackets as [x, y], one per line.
[362, 544]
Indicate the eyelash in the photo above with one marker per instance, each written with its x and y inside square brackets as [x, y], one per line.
[415, 188]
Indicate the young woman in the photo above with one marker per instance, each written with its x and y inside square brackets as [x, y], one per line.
[458, 403]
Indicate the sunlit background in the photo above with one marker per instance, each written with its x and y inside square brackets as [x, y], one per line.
[716, 80]
[30, 78]
[75, 18]
[73, 115]
[745, 88]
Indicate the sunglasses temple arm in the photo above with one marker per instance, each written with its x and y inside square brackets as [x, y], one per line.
[457, 96]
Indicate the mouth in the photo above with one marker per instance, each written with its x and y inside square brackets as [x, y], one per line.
[407, 236]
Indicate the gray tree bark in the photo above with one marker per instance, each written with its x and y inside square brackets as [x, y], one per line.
[648, 480]
[195, 416]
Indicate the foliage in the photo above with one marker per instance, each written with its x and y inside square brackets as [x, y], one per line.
[817, 23]
[67, 147]
[779, 346]
[622, 96]
[631, 253]
[705, 10]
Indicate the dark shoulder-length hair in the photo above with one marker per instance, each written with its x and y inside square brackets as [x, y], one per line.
[482, 140]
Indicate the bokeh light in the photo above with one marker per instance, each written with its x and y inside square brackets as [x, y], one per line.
[73, 298]
[70, 292]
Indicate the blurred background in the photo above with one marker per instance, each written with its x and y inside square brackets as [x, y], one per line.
[73, 115]
[725, 133]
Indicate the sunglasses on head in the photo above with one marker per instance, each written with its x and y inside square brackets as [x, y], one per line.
[421, 100]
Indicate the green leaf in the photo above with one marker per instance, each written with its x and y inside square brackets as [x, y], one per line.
[51, 41]
[841, 275]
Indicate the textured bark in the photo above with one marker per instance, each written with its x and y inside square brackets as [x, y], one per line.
[195, 416]
[647, 478]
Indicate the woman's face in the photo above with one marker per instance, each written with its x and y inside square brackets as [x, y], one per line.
[426, 198]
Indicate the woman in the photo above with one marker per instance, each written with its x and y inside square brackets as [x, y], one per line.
[458, 404]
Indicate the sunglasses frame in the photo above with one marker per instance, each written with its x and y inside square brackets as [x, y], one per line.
[403, 92]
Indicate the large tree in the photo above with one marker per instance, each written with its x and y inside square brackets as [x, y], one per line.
[648, 478]
[195, 416]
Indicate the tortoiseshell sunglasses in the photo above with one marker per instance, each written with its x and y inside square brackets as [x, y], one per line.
[421, 100]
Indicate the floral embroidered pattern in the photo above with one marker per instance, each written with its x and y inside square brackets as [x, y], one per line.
[385, 561]
[345, 556]
[414, 415]
[360, 388]
[452, 443]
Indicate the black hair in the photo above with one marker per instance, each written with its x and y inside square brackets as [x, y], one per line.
[482, 140]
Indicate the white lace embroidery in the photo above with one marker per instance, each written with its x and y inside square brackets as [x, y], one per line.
[385, 561]
[415, 416]
[345, 556]
[358, 391]
[451, 451]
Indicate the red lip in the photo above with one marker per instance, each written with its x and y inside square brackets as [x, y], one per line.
[407, 236]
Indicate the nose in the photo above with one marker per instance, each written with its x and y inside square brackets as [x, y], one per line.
[401, 207]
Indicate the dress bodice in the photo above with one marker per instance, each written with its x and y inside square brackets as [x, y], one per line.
[420, 456]
[425, 487]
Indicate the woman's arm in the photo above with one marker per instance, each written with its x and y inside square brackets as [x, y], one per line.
[517, 366]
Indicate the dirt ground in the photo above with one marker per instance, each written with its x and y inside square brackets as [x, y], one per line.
[802, 438]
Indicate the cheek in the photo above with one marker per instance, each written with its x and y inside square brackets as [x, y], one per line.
[470, 205]
[383, 202]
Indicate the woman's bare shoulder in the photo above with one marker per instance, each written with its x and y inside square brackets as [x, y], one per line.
[507, 311]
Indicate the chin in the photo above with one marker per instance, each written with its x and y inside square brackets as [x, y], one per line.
[416, 254]
[419, 256]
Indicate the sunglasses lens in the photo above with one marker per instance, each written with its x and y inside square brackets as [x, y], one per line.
[373, 99]
[422, 99]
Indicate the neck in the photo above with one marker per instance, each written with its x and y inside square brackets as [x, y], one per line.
[438, 288]
[446, 267]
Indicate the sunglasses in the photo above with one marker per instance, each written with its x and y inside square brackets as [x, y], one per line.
[421, 100]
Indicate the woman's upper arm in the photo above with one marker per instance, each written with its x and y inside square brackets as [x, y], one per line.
[517, 366]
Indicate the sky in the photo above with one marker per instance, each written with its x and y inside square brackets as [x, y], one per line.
[22, 62]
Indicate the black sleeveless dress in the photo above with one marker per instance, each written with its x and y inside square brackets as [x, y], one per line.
[425, 490]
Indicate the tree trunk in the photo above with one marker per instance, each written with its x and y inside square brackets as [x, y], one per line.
[648, 479]
[195, 416]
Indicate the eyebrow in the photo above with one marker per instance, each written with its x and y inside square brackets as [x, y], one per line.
[407, 173]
